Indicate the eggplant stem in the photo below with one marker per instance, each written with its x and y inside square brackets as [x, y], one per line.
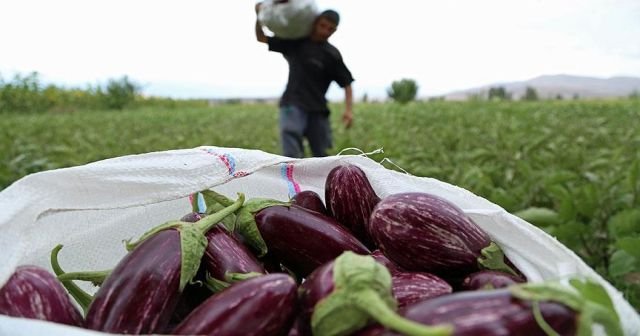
[237, 277]
[208, 222]
[82, 298]
[214, 284]
[95, 277]
[369, 301]
[537, 314]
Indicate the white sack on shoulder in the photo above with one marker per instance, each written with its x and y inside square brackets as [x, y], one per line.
[290, 19]
[91, 209]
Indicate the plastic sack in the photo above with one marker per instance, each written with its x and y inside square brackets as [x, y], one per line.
[288, 19]
[91, 209]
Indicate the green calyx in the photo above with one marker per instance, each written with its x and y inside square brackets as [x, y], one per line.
[216, 202]
[493, 259]
[193, 241]
[245, 223]
[587, 298]
[217, 285]
[362, 294]
[82, 298]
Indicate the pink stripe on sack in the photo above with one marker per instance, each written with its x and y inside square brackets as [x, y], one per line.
[286, 171]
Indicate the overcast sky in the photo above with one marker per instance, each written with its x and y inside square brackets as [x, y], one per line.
[198, 48]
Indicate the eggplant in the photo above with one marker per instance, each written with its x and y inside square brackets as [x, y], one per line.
[192, 217]
[310, 200]
[348, 293]
[425, 233]
[302, 239]
[265, 305]
[381, 258]
[490, 280]
[411, 287]
[539, 309]
[141, 292]
[493, 313]
[193, 295]
[33, 292]
[350, 199]
[226, 257]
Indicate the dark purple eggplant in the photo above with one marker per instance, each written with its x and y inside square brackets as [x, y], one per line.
[350, 199]
[302, 239]
[411, 287]
[493, 313]
[425, 233]
[140, 294]
[265, 305]
[33, 292]
[142, 291]
[226, 257]
[358, 285]
[490, 280]
[192, 217]
[225, 254]
[539, 309]
[310, 200]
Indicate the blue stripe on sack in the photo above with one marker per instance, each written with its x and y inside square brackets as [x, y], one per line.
[202, 206]
[290, 186]
[232, 163]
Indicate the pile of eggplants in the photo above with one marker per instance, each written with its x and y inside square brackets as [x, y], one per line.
[355, 263]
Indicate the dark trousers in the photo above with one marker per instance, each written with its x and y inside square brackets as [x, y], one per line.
[296, 124]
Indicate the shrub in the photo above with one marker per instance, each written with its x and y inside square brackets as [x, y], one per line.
[403, 91]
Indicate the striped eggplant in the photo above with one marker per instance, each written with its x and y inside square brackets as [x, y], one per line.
[142, 291]
[302, 239]
[425, 233]
[411, 287]
[348, 293]
[350, 199]
[493, 313]
[265, 305]
[140, 294]
[490, 280]
[539, 309]
[310, 200]
[226, 257]
[33, 292]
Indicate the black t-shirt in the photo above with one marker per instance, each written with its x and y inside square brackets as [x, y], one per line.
[312, 68]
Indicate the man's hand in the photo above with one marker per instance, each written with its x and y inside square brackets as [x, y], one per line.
[260, 36]
[347, 119]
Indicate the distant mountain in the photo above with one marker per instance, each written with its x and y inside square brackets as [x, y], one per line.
[567, 86]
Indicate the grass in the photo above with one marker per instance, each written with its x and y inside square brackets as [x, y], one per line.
[578, 160]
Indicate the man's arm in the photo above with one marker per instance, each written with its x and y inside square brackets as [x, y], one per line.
[347, 117]
[260, 36]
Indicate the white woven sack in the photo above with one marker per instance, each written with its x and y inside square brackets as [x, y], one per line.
[90, 209]
[291, 19]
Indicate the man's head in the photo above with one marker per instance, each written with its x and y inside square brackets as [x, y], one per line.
[325, 25]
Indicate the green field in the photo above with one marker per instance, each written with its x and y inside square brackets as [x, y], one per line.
[574, 166]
